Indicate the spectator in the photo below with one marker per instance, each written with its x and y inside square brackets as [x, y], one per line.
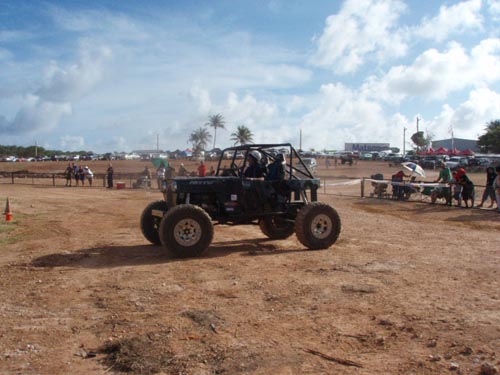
[109, 175]
[81, 175]
[467, 190]
[211, 171]
[160, 175]
[444, 178]
[182, 170]
[202, 169]
[489, 191]
[457, 189]
[169, 172]
[88, 174]
[496, 186]
[69, 174]
[146, 173]
[75, 174]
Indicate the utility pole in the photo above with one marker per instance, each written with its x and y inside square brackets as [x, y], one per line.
[417, 123]
[404, 141]
[158, 142]
[300, 142]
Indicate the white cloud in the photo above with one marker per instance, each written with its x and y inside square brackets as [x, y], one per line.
[362, 30]
[494, 9]
[455, 19]
[71, 143]
[469, 119]
[435, 74]
[248, 110]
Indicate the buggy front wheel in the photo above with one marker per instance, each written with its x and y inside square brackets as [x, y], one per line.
[276, 228]
[317, 226]
[186, 231]
[150, 224]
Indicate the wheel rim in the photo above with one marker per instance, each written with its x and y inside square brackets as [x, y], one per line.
[187, 232]
[321, 226]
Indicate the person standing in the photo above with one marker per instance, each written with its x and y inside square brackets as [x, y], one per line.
[75, 174]
[496, 186]
[88, 174]
[202, 169]
[160, 175]
[445, 178]
[69, 174]
[81, 175]
[488, 190]
[109, 175]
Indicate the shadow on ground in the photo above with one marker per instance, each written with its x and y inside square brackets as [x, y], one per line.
[124, 256]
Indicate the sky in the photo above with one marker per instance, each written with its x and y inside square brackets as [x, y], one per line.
[110, 76]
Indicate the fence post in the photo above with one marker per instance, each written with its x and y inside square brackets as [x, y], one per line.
[53, 179]
[324, 186]
[12, 177]
[363, 188]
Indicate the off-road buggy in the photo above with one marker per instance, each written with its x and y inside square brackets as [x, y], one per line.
[283, 202]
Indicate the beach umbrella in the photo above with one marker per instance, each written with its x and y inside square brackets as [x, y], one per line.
[159, 161]
[414, 168]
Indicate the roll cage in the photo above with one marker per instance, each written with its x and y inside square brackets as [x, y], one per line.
[237, 157]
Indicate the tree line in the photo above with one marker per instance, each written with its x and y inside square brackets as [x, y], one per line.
[200, 137]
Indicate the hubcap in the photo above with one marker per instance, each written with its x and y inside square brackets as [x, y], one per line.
[187, 232]
[321, 226]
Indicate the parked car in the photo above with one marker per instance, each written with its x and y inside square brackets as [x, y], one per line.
[366, 156]
[457, 162]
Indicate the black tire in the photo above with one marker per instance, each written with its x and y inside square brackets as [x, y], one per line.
[151, 224]
[317, 226]
[186, 231]
[276, 227]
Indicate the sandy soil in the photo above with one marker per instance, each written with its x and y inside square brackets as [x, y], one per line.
[409, 288]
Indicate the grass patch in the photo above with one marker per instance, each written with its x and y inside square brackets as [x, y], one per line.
[7, 229]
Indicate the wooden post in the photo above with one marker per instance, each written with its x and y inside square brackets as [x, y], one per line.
[363, 188]
[12, 176]
[53, 179]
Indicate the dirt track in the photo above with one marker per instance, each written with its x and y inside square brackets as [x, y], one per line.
[409, 288]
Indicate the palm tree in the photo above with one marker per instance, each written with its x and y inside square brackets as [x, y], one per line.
[199, 139]
[243, 135]
[216, 121]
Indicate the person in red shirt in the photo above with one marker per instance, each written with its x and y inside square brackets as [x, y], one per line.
[202, 169]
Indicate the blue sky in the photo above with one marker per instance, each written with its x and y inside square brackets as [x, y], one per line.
[110, 76]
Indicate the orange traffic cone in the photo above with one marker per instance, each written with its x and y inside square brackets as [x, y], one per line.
[8, 214]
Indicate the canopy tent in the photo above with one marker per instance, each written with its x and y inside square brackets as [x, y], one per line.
[467, 152]
[442, 151]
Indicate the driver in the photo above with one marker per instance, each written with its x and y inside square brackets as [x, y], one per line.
[254, 168]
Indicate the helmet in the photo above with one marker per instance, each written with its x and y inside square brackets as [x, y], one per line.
[256, 155]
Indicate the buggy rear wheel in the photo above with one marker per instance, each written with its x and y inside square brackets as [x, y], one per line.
[276, 227]
[186, 231]
[317, 226]
[151, 224]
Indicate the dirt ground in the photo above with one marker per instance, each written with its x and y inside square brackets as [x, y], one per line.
[409, 288]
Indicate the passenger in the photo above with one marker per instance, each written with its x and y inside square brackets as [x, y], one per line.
[254, 169]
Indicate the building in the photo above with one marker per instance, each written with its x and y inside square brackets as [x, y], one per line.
[363, 147]
[458, 143]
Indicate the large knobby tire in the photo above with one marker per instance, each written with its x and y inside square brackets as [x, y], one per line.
[151, 224]
[276, 227]
[317, 226]
[186, 231]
